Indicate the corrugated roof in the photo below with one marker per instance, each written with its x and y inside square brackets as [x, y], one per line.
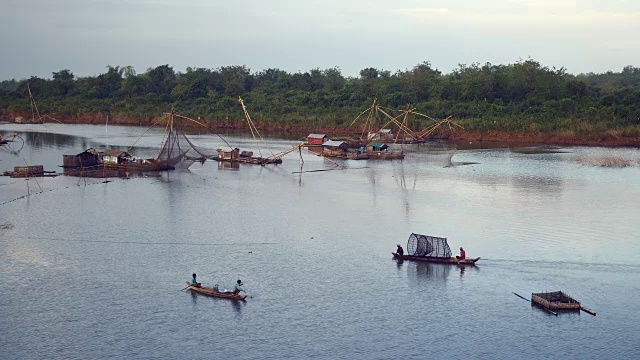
[316, 136]
[112, 152]
[335, 143]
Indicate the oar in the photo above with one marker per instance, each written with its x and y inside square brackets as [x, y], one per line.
[544, 308]
[186, 288]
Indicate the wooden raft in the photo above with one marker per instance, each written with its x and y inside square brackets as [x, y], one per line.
[558, 300]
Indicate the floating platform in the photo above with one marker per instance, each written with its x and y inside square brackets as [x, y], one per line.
[386, 155]
[558, 300]
[29, 171]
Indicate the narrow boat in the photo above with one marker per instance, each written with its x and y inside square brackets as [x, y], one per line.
[210, 292]
[450, 260]
[431, 249]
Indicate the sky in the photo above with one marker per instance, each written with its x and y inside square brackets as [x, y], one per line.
[39, 37]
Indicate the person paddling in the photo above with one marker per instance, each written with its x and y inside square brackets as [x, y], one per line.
[195, 282]
[463, 255]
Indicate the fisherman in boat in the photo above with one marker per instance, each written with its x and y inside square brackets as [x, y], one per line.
[399, 250]
[463, 255]
[194, 282]
[238, 287]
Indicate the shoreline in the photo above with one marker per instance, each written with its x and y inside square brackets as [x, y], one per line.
[456, 136]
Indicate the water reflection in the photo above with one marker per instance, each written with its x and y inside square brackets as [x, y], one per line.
[237, 307]
[440, 272]
[560, 312]
[462, 269]
[466, 268]
[11, 143]
[226, 165]
[107, 172]
[400, 178]
[428, 271]
[42, 140]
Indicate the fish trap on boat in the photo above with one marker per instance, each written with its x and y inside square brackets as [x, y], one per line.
[428, 246]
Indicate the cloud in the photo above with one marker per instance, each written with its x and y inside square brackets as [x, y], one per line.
[544, 17]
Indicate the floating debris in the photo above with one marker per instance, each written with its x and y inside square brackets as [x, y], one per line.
[6, 226]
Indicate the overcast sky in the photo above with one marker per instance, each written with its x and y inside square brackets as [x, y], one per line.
[40, 36]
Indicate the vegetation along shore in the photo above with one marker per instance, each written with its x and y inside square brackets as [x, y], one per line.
[520, 102]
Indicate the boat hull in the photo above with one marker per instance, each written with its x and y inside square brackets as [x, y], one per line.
[451, 260]
[210, 292]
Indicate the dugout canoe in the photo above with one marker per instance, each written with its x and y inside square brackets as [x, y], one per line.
[450, 260]
[431, 249]
[210, 292]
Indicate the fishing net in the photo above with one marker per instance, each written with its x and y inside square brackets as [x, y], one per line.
[178, 151]
[428, 246]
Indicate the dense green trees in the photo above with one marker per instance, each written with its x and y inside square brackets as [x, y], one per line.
[524, 96]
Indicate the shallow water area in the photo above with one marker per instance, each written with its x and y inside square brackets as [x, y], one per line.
[94, 269]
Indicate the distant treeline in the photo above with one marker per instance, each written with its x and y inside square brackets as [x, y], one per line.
[520, 97]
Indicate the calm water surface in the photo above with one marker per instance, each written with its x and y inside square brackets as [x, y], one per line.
[94, 270]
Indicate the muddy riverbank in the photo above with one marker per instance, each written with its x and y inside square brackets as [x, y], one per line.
[564, 138]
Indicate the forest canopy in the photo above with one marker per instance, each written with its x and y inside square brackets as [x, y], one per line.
[524, 96]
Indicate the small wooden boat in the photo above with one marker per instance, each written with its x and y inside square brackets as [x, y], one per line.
[450, 260]
[210, 292]
[431, 249]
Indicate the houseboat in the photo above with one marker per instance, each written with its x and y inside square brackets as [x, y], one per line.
[340, 150]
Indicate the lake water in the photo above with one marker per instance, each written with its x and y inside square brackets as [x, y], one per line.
[92, 269]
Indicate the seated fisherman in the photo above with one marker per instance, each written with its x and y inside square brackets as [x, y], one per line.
[194, 282]
[399, 250]
[238, 287]
[463, 255]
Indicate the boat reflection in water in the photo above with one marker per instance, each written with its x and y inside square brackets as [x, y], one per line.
[421, 271]
[108, 172]
[228, 165]
[431, 271]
